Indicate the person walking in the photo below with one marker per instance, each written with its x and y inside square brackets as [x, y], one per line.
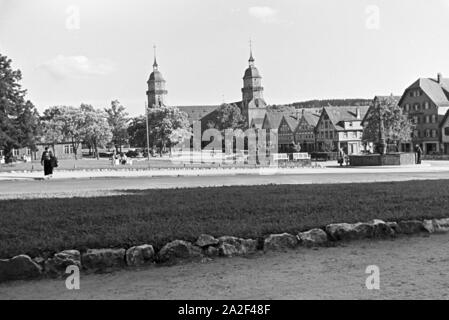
[53, 163]
[46, 162]
[341, 157]
[419, 152]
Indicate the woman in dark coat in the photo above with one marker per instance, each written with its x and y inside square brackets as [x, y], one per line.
[47, 162]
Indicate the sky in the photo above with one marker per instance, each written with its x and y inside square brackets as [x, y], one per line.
[95, 51]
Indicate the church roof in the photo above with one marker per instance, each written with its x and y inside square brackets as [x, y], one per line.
[252, 72]
[156, 75]
[196, 113]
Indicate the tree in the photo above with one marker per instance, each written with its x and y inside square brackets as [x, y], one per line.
[118, 121]
[227, 116]
[97, 132]
[166, 124]
[51, 126]
[137, 132]
[19, 119]
[397, 126]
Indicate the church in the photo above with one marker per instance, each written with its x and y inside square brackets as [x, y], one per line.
[252, 105]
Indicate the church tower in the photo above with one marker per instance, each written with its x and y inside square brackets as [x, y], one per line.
[156, 86]
[254, 106]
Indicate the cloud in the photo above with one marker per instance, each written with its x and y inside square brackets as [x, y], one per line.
[264, 14]
[77, 67]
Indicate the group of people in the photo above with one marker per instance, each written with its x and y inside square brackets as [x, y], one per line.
[118, 159]
[49, 161]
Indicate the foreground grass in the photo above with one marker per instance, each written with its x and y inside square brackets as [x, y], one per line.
[43, 226]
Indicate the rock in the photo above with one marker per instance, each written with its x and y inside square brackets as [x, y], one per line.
[343, 231]
[428, 226]
[312, 238]
[206, 240]
[410, 226]
[211, 251]
[178, 250]
[441, 225]
[381, 229]
[61, 260]
[276, 242]
[394, 226]
[18, 268]
[436, 225]
[140, 255]
[232, 246]
[103, 259]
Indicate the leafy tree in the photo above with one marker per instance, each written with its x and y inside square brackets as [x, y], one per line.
[397, 126]
[51, 126]
[97, 132]
[19, 119]
[227, 116]
[137, 132]
[166, 125]
[118, 121]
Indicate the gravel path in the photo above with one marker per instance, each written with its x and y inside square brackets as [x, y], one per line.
[410, 268]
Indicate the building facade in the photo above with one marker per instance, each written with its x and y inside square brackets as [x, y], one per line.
[340, 127]
[426, 102]
[305, 131]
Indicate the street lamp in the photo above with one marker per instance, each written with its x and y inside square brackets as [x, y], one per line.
[381, 132]
[148, 132]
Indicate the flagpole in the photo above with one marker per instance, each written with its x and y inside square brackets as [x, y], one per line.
[148, 132]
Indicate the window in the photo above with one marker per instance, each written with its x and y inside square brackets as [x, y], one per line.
[427, 133]
[427, 119]
[415, 133]
[416, 119]
[407, 107]
[434, 133]
[426, 105]
[2, 152]
[68, 149]
[15, 152]
[446, 132]
[417, 107]
[434, 118]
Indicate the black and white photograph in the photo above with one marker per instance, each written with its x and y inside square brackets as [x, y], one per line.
[219, 156]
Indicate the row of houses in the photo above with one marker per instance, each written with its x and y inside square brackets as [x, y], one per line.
[426, 102]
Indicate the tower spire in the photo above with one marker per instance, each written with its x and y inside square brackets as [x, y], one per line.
[251, 59]
[155, 65]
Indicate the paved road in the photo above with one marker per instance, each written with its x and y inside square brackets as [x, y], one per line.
[410, 268]
[92, 187]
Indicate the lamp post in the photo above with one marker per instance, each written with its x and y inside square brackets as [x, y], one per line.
[382, 144]
[148, 132]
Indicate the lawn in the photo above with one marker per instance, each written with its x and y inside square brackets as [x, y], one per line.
[41, 226]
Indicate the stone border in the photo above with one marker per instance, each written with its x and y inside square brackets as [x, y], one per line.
[207, 247]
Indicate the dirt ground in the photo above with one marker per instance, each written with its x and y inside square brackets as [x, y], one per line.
[410, 268]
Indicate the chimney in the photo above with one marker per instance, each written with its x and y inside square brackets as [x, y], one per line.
[357, 113]
[439, 77]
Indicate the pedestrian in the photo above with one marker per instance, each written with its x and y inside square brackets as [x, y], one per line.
[46, 162]
[341, 156]
[418, 151]
[53, 162]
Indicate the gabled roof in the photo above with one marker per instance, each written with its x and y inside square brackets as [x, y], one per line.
[442, 119]
[338, 115]
[196, 113]
[272, 120]
[257, 123]
[437, 92]
[291, 121]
